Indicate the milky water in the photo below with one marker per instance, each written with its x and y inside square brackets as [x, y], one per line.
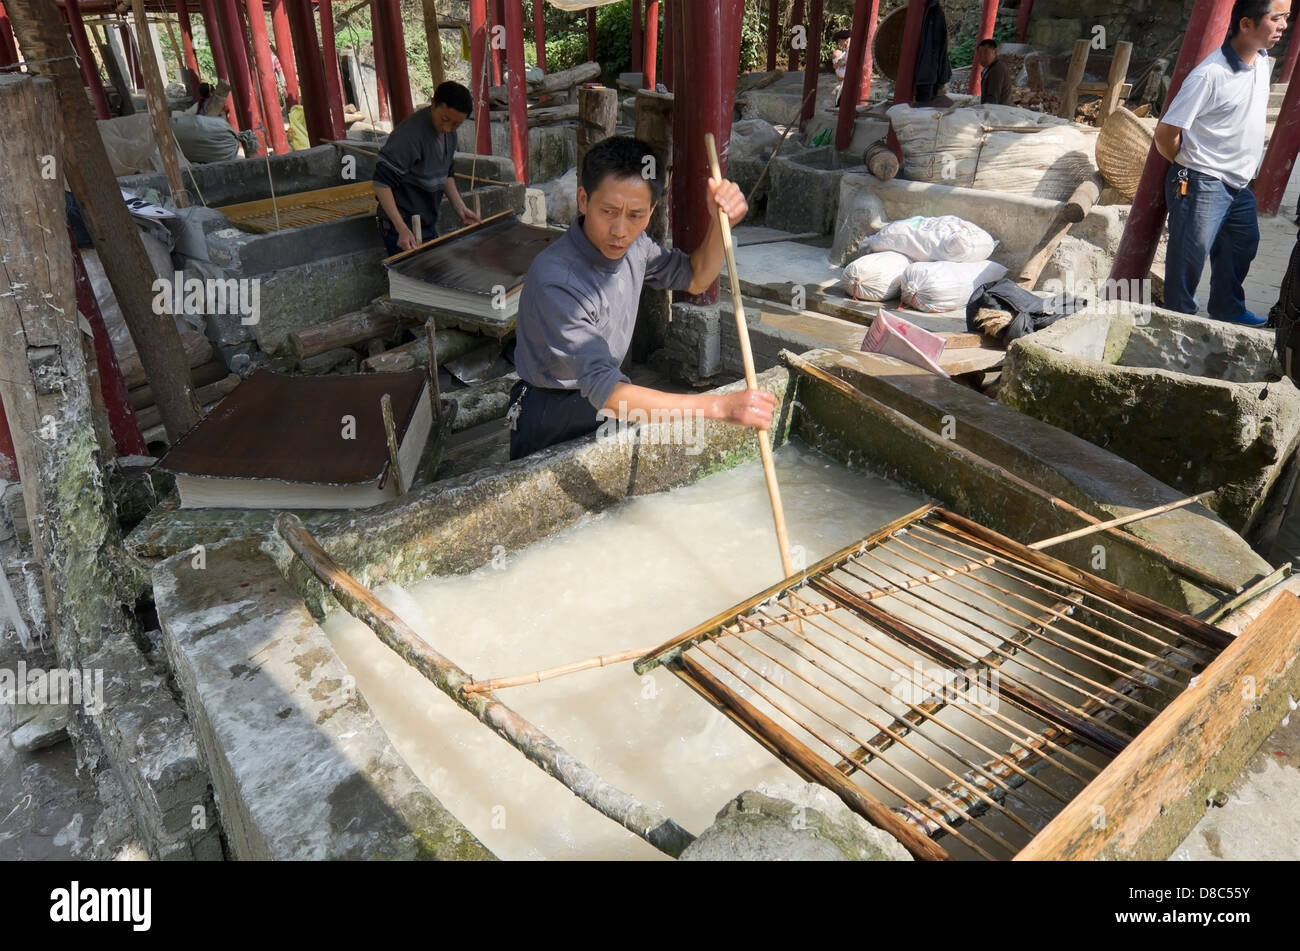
[635, 576]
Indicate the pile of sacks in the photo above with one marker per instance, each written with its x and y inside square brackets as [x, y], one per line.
[931, 264]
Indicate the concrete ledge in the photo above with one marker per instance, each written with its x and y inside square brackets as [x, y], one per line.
[300, 766]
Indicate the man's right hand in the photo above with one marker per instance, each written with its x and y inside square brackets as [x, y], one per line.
[748, 408]
[405, 239]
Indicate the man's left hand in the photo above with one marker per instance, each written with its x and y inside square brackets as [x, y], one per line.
[727, 196]
[467, 217]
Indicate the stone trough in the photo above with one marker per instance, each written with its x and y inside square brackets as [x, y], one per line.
[299, 764]
[1162, 389]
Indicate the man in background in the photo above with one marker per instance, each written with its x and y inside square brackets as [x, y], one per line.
[995, 78]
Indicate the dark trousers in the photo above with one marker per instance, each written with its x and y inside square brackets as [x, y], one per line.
[547, 417]
[1210, 220]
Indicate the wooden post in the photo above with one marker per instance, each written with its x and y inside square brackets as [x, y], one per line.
[250, 115]
[432, 36]
[43, 370]
[654, 125]
[597, 117]
[635, 61]
[330, 60]
[8, 46]
[116, 239]
[591, 34]
[670, 44]
[1074, 76]
[157, 98]
[988, 21]
[220, 64]
[649, 73]
[284, 53]
[311, 71]
[381, 67]
[89, 72]
[1279, 158]
[796, 19]
[1115, 82]
[539, 32]
[1022, 20]
[1289, 61]
[905, 82]
[518, 91]
[270, 104]
[858, 65]
[813, 63]
[773, 31]
[497, 18]
[191, 60]
[478, 76]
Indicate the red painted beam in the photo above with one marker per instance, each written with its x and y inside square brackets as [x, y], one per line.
[539, 32]
[330, 61]
[381, 65]
[121, 417]
[636, 61]
[905, 82]
[649, 75]
[284, 53]
[311, 71]
[89, 71]
[591, 34]
[1137, 248]
[496, 30]
[670, 44]
[1279, 159]
[868, 61]
[478, 76]
[8, 455]
[1292, 54]
[518, 92]
[988, 20]
[813, 61]
[191, 63]
[217, 43]
[864, 15]
[773, 32]
[250, 114]
[796, 18]
[270, 101]
[394, 40]
[8, 57]
[1022, 20]
[133, 74]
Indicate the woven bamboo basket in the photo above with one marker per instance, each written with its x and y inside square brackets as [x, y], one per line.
[1122, 147]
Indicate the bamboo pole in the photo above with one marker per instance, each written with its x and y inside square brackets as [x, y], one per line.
[1116, 522]
[393, 632]
[751, 379]
[156, 96]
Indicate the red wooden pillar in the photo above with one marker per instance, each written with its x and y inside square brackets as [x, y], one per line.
[705, 60]
[636, 63]
[670, 44]
[266, 77]
[773, 32]
[988, 20]
[478, 76]
[330, 60]
[1137, 248]
[1022, 20]
[191, 63]
[89, 71]
[8, 57]
[1292, 54]
[381, 65]
[121, 417]
[539, 32]
[868, 62]
[311, 71]
[864, 21]
[394, 40]
[813, 61]
[217, 43]
[905, 82]
[284, 52]
[591, 35]
[796, 18]
[132, 72]
[1280, 157]
[649, 75]
[498, 13]
[8, 456]
[518, 93]
[250, 115]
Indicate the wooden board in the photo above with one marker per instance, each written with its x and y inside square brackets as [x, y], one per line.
[303, 208]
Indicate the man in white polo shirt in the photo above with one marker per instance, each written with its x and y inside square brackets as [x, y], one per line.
[1213, 133]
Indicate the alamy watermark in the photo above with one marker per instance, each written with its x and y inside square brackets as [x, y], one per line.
[23, 685]
[655, 427]
[213, 296]
[976, 685]
[1107, 296]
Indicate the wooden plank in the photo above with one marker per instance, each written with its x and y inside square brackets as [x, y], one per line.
[346, 331]
[1151, 795]
[1118, 89]
[1070, 89]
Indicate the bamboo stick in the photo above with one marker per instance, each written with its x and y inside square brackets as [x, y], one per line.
[361, 603]
[751, 379]
[1122, 520]
[390, 436]
[1191, 572]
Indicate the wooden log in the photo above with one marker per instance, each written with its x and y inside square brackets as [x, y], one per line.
[551, 82]
[200, 376]
[1070, 89]
[450, 345]
[208, 395]
[361, 603]
[597, 116]
[1082, 199]
[1115, 92]
[1151, 795]
[159, 117]
[88, 172]
[346, 331]
[434, 40]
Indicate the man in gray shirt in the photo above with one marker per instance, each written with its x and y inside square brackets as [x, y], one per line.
[579, 304]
